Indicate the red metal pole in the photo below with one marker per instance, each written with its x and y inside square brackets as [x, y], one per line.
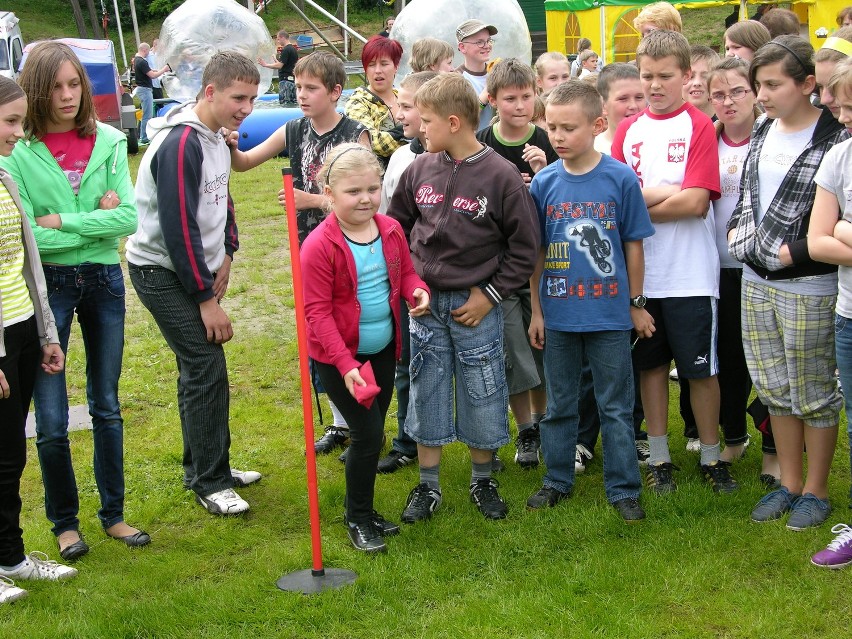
[307, 409]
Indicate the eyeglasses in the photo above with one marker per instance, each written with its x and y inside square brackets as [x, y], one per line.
[481, 43]
[736, 95]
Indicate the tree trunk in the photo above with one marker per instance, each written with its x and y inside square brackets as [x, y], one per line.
[78, 19]
[96, 20]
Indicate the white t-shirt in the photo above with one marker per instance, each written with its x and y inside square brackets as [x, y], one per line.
[731, 160]
[835, 176]
[398, 162]
[478, 81]
[779, 152]
[681, 259]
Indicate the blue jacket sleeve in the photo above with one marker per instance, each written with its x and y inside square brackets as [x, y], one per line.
[178, 161]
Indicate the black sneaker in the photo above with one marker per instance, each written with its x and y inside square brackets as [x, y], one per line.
[386, 528]
[335, 437]
[629, 509]
[528, 444]
[366, 537]
[497, 465]
[393, 461]
[546, 496]
[483, 493]
[422, 502]
[659, 478]
[718, 475]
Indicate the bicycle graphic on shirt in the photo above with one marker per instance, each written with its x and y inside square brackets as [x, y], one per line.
[598, 248]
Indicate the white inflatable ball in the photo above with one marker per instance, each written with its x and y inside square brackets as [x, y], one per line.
[197, 29]
[439, 19]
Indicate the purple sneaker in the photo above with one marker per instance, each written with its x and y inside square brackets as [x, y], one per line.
[838, 553]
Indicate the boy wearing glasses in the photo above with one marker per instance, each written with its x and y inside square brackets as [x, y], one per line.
[475, 44]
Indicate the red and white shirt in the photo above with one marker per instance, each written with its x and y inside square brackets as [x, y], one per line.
[681, 259]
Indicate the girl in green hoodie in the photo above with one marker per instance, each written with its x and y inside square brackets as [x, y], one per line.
[76, 191]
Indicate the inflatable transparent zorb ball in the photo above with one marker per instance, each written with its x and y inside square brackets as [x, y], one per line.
[439, 19]
[197, 29]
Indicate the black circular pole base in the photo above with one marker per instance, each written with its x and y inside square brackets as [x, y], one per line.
[310, 582]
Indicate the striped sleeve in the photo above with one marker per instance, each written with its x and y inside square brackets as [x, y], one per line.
[178, 162]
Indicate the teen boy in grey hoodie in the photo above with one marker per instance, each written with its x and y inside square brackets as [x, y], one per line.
[180, 260]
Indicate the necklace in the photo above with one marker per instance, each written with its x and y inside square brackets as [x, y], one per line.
[369, 242]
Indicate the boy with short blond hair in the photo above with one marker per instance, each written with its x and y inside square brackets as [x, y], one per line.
[403, 449]
[471, 225]
[671, 146]
[588, 61]
[593, 219]
[431, 54]
[511, 91]
[622, 95]
[702, 59]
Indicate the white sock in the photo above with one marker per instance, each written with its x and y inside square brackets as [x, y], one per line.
[338, 417]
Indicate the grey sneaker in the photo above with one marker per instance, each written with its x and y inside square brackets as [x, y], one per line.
[773, 505]
[528, 444]
[36, 565]
[243, 478]
[547, 496]
[629, 509]
[497, 465]
[809, 511]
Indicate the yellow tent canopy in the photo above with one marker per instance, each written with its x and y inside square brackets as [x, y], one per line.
[609, 23]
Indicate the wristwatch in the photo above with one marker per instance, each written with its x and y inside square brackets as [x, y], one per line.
[639, 301]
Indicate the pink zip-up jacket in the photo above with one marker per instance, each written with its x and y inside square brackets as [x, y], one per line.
[331, 289]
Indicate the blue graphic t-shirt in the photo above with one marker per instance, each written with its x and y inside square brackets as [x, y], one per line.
[584, 219]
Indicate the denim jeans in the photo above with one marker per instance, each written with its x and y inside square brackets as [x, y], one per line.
[96, 293]
[452, 361]
[203, 392]
[403, 443]
[146, 103]
[608, 354]
[843, 345]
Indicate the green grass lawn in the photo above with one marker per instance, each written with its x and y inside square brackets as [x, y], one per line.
[695, 568]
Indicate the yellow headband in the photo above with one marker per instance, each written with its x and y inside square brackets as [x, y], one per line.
[838, 44]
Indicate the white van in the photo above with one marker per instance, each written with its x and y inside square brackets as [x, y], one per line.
[11, 45]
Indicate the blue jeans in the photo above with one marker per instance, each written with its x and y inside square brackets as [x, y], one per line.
[843, 346]
[202, 390]
[450, 361]
[146, 102]
[403, 443]
[96, 293]
[608, 354]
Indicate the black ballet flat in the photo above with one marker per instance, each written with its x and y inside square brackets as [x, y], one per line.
[75, 550]
[135, 540]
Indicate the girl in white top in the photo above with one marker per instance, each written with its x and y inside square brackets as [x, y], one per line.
[735, 106]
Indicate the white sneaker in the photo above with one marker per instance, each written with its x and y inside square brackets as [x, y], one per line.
[243, 478]
[582, 456]
[673, 374]
[224, 502]
[9, 592]
[36, 565]
[693, 445]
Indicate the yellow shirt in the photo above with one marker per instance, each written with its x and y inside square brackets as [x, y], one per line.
[17, 304]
